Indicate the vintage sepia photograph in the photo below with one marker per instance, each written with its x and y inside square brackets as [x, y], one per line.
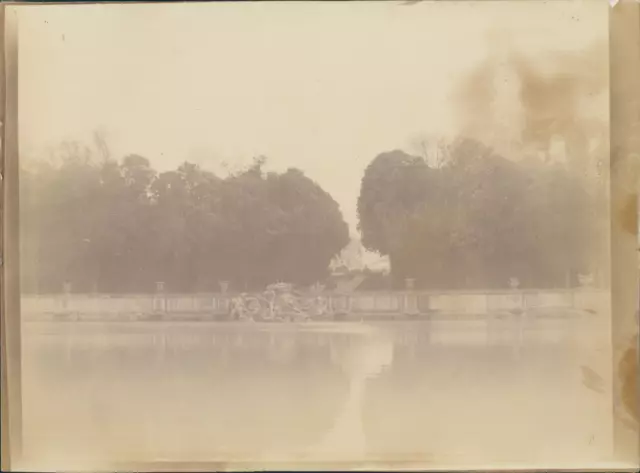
[297, 235]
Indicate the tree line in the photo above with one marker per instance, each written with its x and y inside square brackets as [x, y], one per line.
[476, 220]
[473, 221]
[113, 227]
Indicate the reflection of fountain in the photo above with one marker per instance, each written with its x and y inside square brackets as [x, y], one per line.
[367, 356]
[362, 352]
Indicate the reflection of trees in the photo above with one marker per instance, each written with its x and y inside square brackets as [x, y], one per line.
[279, 390]
[231, 384]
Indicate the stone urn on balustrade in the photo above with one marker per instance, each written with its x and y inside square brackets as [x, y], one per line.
[586, 280]
[514, 283]
[410, 302]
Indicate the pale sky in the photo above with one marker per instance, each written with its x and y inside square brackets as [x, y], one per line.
[322, 87]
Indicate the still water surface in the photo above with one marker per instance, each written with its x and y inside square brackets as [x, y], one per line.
[441, 394]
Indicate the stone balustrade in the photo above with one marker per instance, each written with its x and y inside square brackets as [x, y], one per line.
[364, 304]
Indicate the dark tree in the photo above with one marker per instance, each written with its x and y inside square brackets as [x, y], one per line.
[479, 219]
[120, 227]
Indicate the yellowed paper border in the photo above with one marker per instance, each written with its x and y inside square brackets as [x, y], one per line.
[625, 164]
[10, 302]
[624, 47]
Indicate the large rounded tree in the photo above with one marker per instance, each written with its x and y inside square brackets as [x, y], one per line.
[478, 220]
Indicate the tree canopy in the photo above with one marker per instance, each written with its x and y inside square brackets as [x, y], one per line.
[111, 226]
[474, 220]
[479, 219]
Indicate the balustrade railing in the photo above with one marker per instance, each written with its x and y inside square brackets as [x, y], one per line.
[363, 304]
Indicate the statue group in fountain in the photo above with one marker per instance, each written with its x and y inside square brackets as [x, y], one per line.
[279, 302]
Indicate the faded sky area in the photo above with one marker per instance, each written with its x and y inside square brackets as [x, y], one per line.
[322, 87]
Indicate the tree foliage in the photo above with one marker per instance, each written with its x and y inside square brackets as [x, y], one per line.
[480, 219]
[113, 226]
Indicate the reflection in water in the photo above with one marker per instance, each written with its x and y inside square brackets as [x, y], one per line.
[371, 354]
[409, 391]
